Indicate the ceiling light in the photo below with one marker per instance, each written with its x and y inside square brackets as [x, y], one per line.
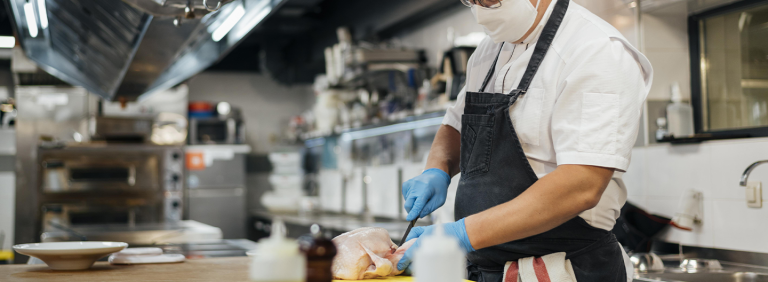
[7, 41]
[253, 20]
[229, 23]
[29, 13]
[43, 14]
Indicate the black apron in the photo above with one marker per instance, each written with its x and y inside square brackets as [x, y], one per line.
[495, 170]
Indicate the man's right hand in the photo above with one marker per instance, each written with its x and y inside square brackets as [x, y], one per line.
[425, 193]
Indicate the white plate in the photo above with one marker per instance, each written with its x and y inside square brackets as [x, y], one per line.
[165, 258]
[70, 255]
[137, 252]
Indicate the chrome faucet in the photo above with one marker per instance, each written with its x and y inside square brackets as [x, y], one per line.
[751, 167]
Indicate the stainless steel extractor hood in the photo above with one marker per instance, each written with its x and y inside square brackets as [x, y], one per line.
[125, 49]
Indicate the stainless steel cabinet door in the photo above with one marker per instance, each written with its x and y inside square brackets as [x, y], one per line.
[220, 207]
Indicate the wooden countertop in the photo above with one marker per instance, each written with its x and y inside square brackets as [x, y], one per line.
[209, 269]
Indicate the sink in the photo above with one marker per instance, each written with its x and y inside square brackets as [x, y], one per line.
[705, 277]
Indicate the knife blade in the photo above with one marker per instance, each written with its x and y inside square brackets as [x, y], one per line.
[407, 231]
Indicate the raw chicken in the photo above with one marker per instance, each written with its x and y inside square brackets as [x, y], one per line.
[367, 252]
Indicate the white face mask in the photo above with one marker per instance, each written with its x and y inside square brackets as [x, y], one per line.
[508, 23]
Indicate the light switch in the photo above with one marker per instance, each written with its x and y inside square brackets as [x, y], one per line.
[751, 198]
[754, 193]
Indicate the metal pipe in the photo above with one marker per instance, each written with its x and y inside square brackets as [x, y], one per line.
[746, 173]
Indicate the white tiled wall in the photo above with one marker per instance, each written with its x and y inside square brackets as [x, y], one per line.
[616, 12]
[660, 174]
[665, 44]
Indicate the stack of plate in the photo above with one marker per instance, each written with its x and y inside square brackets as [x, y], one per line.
[286, 180]
[144, 255]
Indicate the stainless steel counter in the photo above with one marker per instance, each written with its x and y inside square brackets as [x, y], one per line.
[730, 272]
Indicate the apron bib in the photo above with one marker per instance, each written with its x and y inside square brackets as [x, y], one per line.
[495, 170]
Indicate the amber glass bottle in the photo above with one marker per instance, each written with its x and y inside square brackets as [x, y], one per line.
[320, 251]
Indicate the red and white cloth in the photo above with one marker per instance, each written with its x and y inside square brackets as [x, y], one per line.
[549, 268]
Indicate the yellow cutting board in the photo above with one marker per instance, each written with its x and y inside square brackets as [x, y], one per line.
[391, 279]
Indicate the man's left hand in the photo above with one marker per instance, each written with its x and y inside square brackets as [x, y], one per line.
[454, 229]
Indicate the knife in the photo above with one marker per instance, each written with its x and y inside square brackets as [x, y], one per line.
[407, 231]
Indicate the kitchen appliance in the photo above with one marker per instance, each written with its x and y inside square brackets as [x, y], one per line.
[110, 184]
[216, 131]
[216, 187]
[220, 125]
[96, 164]
[121, 129]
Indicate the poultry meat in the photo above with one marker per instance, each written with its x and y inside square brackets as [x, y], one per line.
[365, 253]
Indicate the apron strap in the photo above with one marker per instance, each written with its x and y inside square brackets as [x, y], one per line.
[547, 36]
[492, 69]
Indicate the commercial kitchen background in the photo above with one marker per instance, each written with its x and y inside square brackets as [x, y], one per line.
[659, 175]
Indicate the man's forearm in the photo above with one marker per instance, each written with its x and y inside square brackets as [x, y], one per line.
[551, 201]
[445, 151]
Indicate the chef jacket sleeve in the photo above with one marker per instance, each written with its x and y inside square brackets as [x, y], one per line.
[453, 114]
[597, 113]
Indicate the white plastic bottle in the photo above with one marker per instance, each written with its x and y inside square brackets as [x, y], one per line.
[661, 132]
[277, 259]
[679, 115]
[439, 259]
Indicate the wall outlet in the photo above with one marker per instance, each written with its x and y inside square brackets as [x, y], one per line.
[754, 194]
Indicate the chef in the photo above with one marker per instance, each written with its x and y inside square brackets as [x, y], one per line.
[541, 133]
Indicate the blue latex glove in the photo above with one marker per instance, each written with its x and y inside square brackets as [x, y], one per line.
[425, 193]
[454, 229]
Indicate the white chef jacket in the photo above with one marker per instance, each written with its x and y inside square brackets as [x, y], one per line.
[584, 103]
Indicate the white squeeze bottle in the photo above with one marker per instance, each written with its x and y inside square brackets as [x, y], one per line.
[679, 115]
[439, 259]
[277, 259]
